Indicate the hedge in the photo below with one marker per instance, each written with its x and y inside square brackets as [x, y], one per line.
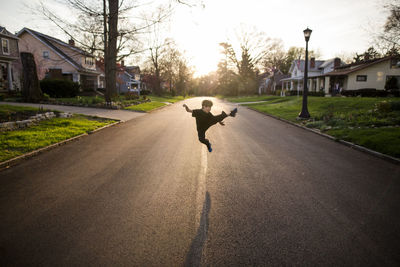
[310, 93]
[59, 88]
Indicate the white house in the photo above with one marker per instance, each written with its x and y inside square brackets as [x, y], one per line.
[370, 74]
[331, 76]
[316, 71]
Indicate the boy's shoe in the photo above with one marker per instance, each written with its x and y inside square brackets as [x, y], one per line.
[233, 112]
[209, 148]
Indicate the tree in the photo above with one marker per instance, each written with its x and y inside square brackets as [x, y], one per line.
[95, 32]
[110, 49]
[227, 81]
[388, 41]
[31, 89]
[253, 47]
[369, 54]
[295, 53]
[276, 57]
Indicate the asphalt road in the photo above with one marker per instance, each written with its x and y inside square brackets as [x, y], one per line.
[147, 193]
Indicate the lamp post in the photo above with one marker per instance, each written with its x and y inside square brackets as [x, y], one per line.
[304, 110]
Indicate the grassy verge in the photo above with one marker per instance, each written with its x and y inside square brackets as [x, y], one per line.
[369, 122]
[16, 143]
[250, 98]
[384, 140]
[15, 113]
[148, 106]
[169, 99]
[156, 102]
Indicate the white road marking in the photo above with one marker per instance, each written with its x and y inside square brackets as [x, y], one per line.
[201, 185]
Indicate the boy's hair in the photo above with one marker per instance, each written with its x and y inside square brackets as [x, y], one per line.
[206, 103]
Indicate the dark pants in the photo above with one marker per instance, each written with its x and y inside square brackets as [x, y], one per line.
[202, 132]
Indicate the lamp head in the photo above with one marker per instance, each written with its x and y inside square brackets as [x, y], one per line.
[307, 34]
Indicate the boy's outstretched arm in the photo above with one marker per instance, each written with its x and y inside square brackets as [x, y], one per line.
[187, 108]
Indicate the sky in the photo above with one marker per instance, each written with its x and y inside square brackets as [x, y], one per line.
[339, 27]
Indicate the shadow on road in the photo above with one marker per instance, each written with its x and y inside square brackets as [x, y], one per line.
[193, 258]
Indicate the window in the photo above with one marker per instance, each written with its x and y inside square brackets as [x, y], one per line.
[89, 61]
[46, 54]
[361, 78]
[395, 63]
[5, 46]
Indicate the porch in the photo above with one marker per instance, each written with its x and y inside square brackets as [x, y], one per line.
[328, 84]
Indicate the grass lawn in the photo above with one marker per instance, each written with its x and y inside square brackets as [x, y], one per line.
[156, 102]
[81, 100]
[47, 132]
[170, 99]
[146, 106]
[250, 98]
[384, 140]
[15, 113]
[369, 122]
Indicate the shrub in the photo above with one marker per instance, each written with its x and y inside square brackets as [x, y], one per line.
[145, 92]
[46, 96]
[395, 105]
[310, 93]
[367, 92]
[2, 97]
[384, 107]
[278, 92]
[131, 96]
[59, 88]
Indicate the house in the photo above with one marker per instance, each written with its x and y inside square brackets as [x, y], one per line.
[370, 74]
[332, 76]
[277, 80]
[57, 59]
[136, 79]
[128, 77]
[9, 54]
[316, 73]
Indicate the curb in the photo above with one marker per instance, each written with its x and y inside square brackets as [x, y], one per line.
[346, 143]
[14, 161]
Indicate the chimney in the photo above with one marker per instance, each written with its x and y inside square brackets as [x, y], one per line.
[71, 42]
[312, 63]
[336, 63]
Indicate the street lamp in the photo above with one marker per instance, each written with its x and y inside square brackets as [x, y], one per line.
[304, 110]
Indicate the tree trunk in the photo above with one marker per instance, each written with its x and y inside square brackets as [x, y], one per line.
[105, 33]
[31, 89]
[111, 56]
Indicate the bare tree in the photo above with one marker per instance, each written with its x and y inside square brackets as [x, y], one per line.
[388, 41]
[253, 48]
[96, 32]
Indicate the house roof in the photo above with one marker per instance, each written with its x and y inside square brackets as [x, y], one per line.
[327, 63]
[278, 77]
[301, 63]
[4, 32]
[48, 41]
[349, 68]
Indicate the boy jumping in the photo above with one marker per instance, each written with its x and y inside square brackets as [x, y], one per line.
[204, 120]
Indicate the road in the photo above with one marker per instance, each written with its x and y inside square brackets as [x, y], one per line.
[147, 193]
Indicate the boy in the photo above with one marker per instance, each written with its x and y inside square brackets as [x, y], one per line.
[204, 120]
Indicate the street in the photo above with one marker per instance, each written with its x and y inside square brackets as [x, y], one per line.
[147, 193]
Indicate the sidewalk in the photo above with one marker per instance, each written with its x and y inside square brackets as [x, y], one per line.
[122, 115]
